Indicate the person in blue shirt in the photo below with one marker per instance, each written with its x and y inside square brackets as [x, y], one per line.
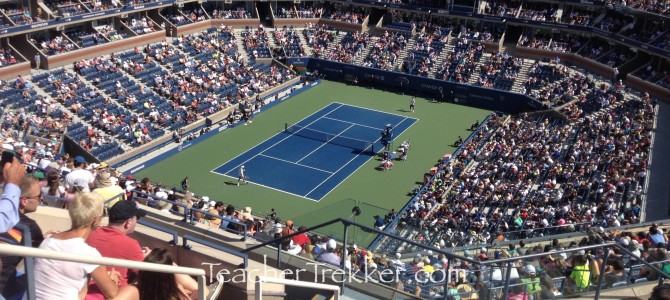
[12, 173]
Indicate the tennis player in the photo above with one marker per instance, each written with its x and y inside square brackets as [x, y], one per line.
[241, 177]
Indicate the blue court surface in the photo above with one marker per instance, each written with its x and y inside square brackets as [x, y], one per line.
[303, 164]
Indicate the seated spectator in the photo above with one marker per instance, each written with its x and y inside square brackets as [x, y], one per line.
[108, 189]
[57, 279]
[615, 272]
[158, 285]
[329, 256]
[29, 200]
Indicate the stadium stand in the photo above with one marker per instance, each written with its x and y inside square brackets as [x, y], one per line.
[569, 180]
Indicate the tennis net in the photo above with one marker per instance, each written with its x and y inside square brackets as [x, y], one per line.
[336, 139]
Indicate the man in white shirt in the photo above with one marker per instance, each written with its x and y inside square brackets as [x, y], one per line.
[79, 172]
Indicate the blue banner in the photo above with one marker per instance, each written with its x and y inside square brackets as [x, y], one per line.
[490, 99]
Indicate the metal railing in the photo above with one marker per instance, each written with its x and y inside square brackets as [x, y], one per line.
[504, 264]
[189, 210]
[260, 280]
[28, 252]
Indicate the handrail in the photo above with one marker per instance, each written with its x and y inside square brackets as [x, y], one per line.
[175, 234]
[120, 195]
[187, 238]
[494, 263]
[13, 250]
[188, 213]
[297, 283]
[28, 262]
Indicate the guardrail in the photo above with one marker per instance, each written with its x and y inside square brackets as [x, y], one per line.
[12, 250]
[503, 263]
[260, 280]
[191, 238]
[188, 213]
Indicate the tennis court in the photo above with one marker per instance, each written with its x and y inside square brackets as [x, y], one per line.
[314, 156]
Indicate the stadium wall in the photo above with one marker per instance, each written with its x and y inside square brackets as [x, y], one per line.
[489, 99]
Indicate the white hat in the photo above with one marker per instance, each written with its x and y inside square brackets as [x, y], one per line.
[398, 255]
[212, 203]
[332, 244]
[529, 269]
[277, 227]
[430, 252]
[205, 198]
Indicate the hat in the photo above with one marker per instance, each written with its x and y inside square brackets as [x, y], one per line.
[529, 269]
[130, 177]
[124, 210]
[277, 227]
[39, 175]
[625, 242]
[81, 182]
[332, 244]
[103, 179]
[430, 252]
[398, 255]
[102, 165]
[246, 213]
[79, 159]
[94, 165]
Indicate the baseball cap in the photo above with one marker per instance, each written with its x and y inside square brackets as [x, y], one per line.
[79, 159]
[530, 269]
[124, 210]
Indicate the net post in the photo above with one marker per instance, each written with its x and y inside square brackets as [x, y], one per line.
[286, 127]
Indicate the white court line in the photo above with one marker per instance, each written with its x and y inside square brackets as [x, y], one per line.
[361, 165]
[326, 143]
[295, 163]
[236, 167]
[269, 187]
[357, 124]
[370, 109]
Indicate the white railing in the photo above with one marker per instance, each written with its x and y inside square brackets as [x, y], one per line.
[305, 284]
[13, 250]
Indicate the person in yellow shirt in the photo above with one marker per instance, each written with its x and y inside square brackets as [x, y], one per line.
[581, 274]
[107, 189]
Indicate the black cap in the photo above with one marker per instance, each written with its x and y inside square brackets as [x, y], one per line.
[124, 210]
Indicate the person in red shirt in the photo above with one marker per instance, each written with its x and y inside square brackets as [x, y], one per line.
[113, 241]
[301, 239]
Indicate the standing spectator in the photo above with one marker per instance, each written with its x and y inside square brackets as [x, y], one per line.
[79, 172]
[58, 279]
[38, 61]
[113, 241]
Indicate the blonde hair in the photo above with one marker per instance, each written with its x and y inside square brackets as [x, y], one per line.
[85, 208]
